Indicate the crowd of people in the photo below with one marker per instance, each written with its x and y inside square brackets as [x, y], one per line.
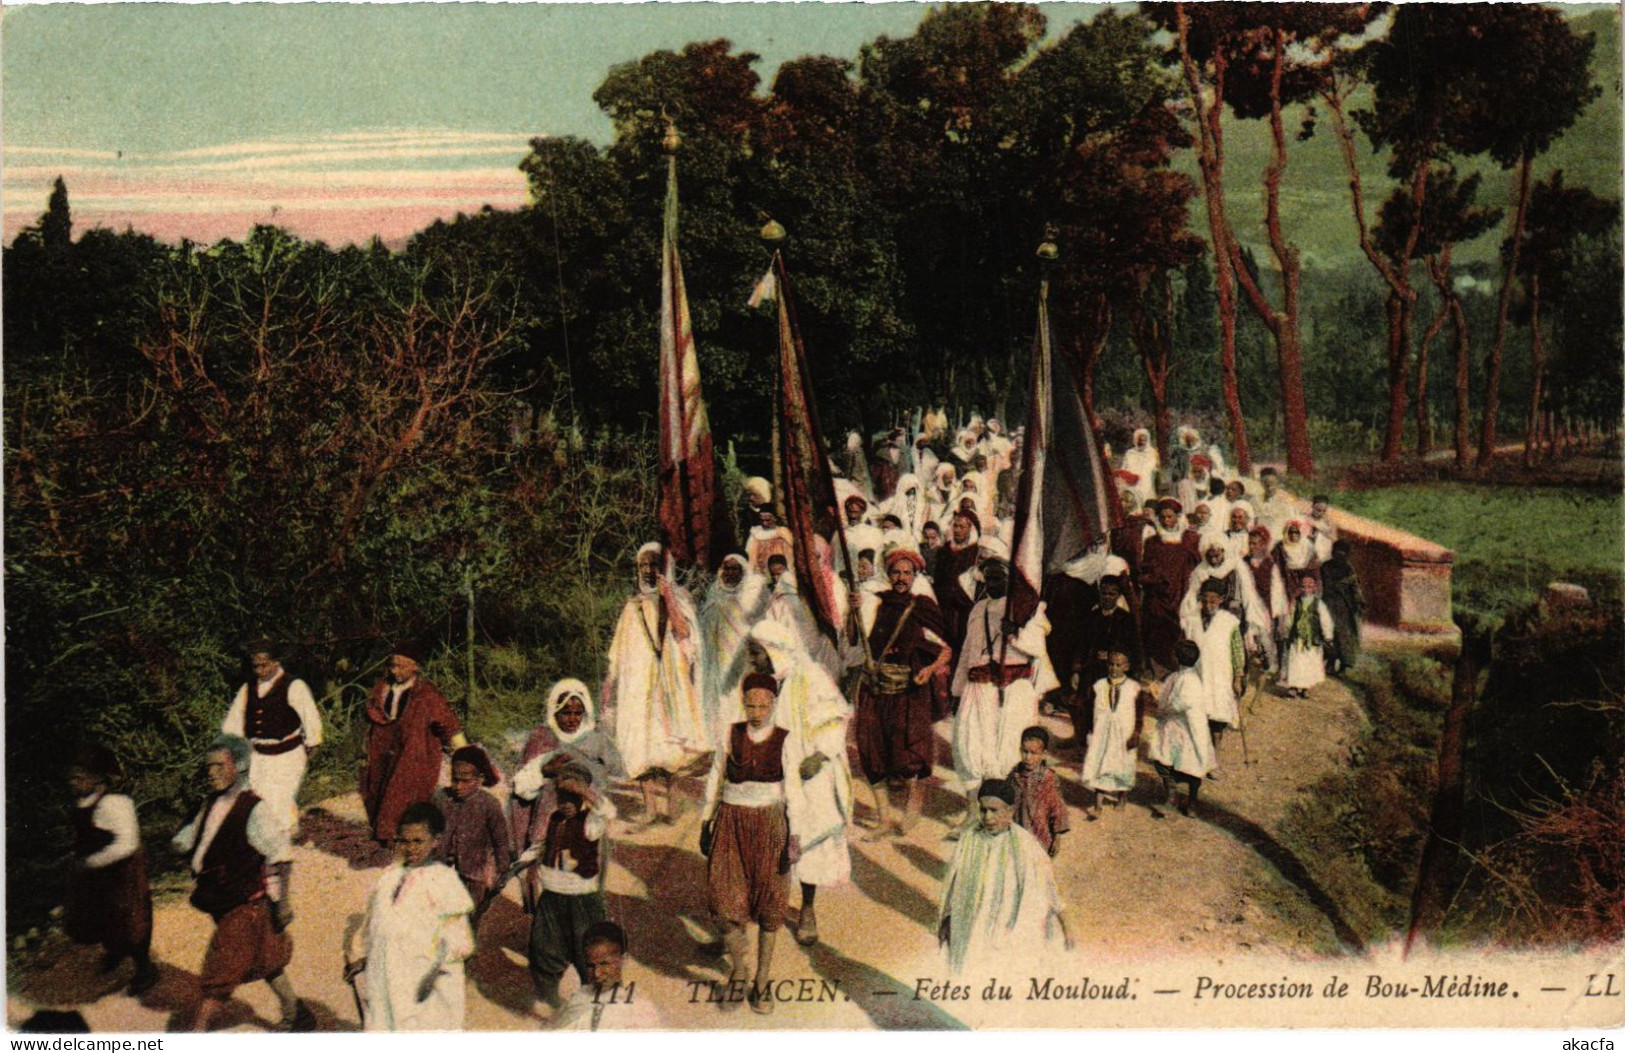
[1147, 642]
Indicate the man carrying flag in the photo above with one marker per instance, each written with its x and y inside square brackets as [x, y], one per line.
[692, 512]
[1002, 671]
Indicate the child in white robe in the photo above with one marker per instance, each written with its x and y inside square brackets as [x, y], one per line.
[1182, 748]
[1308, 628]
[415, 937]
[1108, 764]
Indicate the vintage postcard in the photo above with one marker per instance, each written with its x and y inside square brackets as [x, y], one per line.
[813, 517]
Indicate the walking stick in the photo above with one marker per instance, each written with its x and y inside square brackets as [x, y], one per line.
[350, 974]
[1246, 757]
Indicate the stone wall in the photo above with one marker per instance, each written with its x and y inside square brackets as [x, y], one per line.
[1406, 579]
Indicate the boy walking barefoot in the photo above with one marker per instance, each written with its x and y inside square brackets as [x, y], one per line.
[1182, 748]
[1108, 766]
[1039, 808]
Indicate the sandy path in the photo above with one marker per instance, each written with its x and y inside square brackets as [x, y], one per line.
[1140, 890]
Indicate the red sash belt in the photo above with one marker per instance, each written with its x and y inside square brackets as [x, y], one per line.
[1002, 675]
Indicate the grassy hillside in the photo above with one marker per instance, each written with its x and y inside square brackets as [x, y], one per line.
[1315, 196]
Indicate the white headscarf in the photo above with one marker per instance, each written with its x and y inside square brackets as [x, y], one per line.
[1299, 554]
[570, 688]
[1097, 562]
[746, 593]
[647, 590]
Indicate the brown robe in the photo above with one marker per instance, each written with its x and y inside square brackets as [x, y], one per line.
[894, 734]
[404, 754]
[1165, 572]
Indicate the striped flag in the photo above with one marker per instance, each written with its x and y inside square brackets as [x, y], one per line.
[692, 514]
[808, 487]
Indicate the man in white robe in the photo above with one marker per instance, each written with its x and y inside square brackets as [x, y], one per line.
[1276, 507]
[1002, 672]
[859, 533]
[652, 691]
[786, 606]
[1217, 634]
[818, 773]
[738, 599]
[1000, 894]
[1220, 564]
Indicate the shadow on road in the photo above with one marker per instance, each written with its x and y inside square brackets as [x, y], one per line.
[884, 887]
[889, 1005]
[344, 838]
[675, 878]
[494, 975]
[1286, 864]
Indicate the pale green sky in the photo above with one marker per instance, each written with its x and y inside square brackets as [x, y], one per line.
[344, 121]
[160, 77]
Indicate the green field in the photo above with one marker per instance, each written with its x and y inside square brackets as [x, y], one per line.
[1509, 541]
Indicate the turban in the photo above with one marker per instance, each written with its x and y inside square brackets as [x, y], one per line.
[904, 555]
[1167, 503]
[407, 649]
[999, 788]
[1201, 460]
[481, 761]
[993, 548]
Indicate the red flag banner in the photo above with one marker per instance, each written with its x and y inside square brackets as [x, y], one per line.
[1027, 547]
[1064, 496]
[691, 510]
[808, 487]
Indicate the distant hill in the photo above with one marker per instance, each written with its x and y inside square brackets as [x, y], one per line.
[1315, 196]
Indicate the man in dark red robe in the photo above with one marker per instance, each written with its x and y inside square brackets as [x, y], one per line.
[906, 647]
[1107, 627]
[1128, 542]
[412, 726]
[1166, 561]
[954, 559]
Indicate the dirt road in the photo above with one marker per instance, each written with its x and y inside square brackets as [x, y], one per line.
[1139, 889]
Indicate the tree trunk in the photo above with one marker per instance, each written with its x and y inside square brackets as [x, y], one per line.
[1210, 154]
[1424, 421]
[1433, 876]
[1283, 324]
[1439, 268]
[1398, 362]
[1154, 338]
[1402, 298]
[1492, 378]
[468, 702]
[1537, 353]
[1090, 347]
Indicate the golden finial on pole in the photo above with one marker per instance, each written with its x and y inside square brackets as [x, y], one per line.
[1047, 250]
[672, 140]
[772, 230]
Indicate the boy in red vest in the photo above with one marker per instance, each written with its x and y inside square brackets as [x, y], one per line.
[230, 844]
[571, 872]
